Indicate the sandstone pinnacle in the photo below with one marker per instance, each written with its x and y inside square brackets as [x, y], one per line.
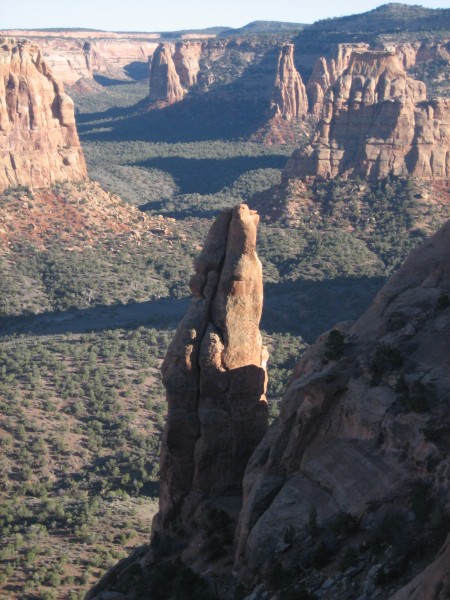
[215, 374]
[289, 95]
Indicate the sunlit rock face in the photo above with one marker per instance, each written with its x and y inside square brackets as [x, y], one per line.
[215, 375]
[174, 69]
[39, 143]
[326, 72]
[352, 433]
[376, 121]
[165, 82]
[289, 96]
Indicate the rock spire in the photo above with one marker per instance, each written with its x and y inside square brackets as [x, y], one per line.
[289, 98]
[165, 83]
[215, 375]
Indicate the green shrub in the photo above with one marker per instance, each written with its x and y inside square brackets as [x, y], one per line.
[385, 360]
[335, 345]
[443, 302]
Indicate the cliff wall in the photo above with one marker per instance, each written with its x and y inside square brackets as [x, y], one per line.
[79, 55]
[38, 138]
[376, 121]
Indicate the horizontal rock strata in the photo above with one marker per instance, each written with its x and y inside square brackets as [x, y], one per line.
[39, 143]
[376, 121]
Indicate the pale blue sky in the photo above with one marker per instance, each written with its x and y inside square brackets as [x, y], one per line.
[168, 15]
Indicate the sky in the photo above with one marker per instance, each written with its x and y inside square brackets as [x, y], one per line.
[171, 15]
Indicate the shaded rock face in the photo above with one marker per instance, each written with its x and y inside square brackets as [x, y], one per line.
[289, 96]
[352, 433]
[433, 583]
[215, 376]
[165, 82]
[39, 143]
[376, 122]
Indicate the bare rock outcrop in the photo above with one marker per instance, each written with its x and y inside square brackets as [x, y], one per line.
[354, 475]
[174, 69]
[215, 376]
[165, 84]
[289, 98]
[414, 53]
[325, 74]
[79, 55]
[354, 438]
[375, 122]
[186, 59]
[38, 138]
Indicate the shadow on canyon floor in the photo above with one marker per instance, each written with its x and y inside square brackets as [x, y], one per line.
[163, 313]
[210, 175]
[231, 110]
[308, 308]
[305, 308]
[196, 118]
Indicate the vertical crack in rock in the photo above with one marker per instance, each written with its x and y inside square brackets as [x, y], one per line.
[215, 375]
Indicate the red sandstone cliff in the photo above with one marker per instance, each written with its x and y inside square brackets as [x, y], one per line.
[289, 96]
[325, 73]
[186, 60]
[352, 439]
[38, 138]
[79, 55]
[376, 121]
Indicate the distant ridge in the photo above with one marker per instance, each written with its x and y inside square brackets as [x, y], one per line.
[265, 27]
[388, 17]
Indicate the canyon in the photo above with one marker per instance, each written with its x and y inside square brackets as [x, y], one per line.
[341, 488]
[77, 56]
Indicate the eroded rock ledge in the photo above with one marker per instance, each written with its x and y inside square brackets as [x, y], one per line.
[376, 122]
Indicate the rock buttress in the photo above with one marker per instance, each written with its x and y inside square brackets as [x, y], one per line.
[215, 375]
[165, 85]
[377, 122]
[364, 431]
[39, 143]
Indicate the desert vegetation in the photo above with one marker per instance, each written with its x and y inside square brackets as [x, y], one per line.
[86, 317]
